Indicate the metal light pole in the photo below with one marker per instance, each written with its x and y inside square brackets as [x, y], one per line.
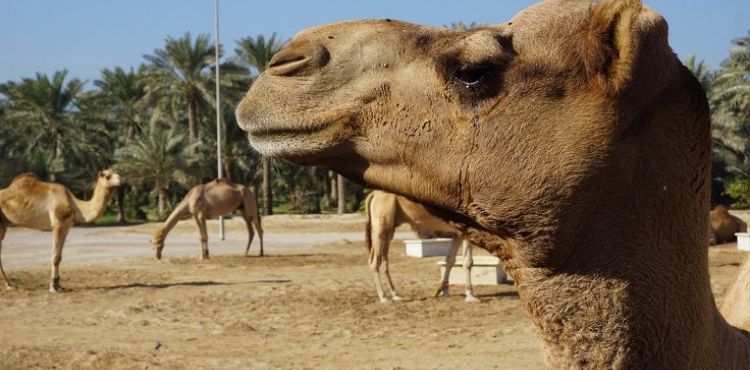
[218, 111]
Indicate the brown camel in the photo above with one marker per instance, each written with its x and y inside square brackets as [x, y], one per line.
[570, 142]
[723, 226]
[384, 212]
[35, 204]
[211, 200]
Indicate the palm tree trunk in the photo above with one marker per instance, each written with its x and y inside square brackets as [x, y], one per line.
[228, 167]
[315, 191]
[333, 188]
[162, 201]
[192, 120]
[267, 191]
[341, 194]
[326, 180]
[121, 204]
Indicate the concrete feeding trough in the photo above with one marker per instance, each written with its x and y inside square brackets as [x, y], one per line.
[485, 271]
[743, 241]
[428, 247]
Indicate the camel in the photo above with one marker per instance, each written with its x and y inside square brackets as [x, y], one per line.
[384, 212]
[35, 204]
[723, 226]
[210, 200]
[570, 142]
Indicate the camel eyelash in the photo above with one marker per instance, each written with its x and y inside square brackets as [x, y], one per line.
[473, 74]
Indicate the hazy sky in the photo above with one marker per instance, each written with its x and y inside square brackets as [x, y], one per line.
[86, 36]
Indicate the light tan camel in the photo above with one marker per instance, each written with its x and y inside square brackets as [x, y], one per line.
[723, 226]
[35, 204]
[570, 142]
[384, 212]
[211, 200]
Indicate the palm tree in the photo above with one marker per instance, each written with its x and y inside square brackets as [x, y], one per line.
[157, 156]
[181, 73]
[255, 54]
[730, 101]
[461, 26]
[124, 93]
[701, 71]
[42, 110]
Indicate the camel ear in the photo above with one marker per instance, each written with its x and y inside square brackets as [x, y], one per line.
[101, 173]
[614, 41]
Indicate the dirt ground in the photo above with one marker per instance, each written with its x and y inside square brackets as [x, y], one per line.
[311, 307]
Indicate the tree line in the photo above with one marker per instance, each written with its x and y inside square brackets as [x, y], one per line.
[728, 93]
[156, 125]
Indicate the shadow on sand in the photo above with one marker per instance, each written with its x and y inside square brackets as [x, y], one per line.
[188, 283]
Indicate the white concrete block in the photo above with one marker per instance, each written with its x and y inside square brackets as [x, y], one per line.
[485, 271]
[743, 241]
[428, 247]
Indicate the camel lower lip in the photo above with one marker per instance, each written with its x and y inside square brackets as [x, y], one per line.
[279, 133]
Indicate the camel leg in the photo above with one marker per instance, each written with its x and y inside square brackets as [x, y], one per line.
[256, 221]
[450, 261]
[468, 263]
[384, 256]
[246, 214]
[200, 219]
[8, 285]
[250, 234]
[379, 254]
[252, 218]
[374, 261]
[59, 233]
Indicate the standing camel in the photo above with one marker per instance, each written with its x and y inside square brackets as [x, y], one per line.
[570, 142]
[723, 226]
[211, 200]
[35, 204]
[384, 212]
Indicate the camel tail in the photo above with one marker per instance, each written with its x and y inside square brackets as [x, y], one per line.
[368, 222]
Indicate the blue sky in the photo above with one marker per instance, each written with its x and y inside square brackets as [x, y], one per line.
[85, 36]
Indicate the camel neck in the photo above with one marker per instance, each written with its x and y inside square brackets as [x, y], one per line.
[625, 317]
[736, 307]
[90, 210]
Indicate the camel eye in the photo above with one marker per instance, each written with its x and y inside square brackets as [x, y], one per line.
[473, 74]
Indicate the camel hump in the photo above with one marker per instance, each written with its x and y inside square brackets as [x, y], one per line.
[720, 209]
[222, 181]
[27, 178]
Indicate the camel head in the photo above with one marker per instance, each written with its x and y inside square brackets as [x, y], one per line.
[516, 131]
[108, 179]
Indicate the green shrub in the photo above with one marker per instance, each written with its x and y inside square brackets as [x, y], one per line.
[739, 191]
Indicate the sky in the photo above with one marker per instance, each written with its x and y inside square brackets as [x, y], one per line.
[86, 36]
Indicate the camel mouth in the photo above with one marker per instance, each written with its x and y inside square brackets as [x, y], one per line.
[295, 141]
[286, 131]
[295, 148]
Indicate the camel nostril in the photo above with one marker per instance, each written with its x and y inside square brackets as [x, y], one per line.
[299, 59]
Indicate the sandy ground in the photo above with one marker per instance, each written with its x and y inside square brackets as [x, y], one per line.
[309, 304]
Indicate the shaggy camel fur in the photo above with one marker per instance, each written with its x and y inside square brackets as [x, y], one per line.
[384, 212]
[723, 226]
[35, 204]
[211, 200]
[570, 142]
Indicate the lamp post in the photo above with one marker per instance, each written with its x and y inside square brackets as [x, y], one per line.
[218, 111]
